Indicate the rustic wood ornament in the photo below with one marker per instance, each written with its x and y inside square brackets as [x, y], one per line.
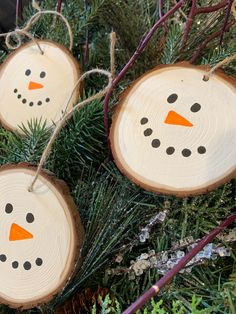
[41, 236]
[175, 133]
[35, 85]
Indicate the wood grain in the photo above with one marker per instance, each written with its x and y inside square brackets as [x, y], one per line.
[35, 86]
[156, 151]
[39, 266]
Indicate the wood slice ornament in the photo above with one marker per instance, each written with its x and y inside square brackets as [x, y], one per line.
[37, 86]
[175, 133]
[41, 236]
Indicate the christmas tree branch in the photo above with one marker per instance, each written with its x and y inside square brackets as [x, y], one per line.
[142, 45]
[174, 271]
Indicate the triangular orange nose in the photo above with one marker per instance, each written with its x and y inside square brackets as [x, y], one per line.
[19, 233]
[34, 85]
[175, 118]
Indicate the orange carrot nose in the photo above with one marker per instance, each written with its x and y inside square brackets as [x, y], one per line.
[19, 233]
[175, 118]
[34, 85]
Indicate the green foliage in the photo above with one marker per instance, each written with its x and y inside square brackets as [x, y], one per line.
[154, 307]
[229, 291]
[113, 210]
[172, 44]
[17, 148]
[107, 306]
[82, 142]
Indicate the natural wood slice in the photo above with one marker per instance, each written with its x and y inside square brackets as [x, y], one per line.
[37, 86]
[175, 133]
[41, 236]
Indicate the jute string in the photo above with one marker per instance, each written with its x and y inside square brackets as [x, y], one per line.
[112, 54]
[79, 105]
[18, 32]
[217, 66]
[233, 10]
[227, 60]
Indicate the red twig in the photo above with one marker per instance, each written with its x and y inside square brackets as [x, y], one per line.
[160, 6]
[194, 11]
[189, 22]
[209, 39]
[18, 11]
[212, 8]
[142, 45]
[171, 273]
[86, 45]
[59, 5]
[227, 16]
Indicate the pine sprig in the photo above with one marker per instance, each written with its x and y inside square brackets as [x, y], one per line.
[27, 147]
[110, 215]
[113, 209]
[82, 144]
[172, 44]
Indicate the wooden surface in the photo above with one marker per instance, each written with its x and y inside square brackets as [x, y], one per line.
[174, 133]
[36, 86]
[41, 236]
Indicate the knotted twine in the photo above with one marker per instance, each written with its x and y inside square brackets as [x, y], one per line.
[25, 31]
[217, 66]
[18, 32]
[79, 105]
[227, 59]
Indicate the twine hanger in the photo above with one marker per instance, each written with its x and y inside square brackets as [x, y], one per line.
[25, 31]
[18, 32]
[79, 105]
[227, 60]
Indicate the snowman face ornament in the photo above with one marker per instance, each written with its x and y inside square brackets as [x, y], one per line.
[38, 238]
[37, 86]
[175, 133]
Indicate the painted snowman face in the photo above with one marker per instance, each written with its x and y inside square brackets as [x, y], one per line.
[175, 133]
[35, 85]
[38, 238]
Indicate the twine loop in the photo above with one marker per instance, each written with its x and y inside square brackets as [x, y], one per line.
[227, 60]
[79, 105]
[16, 34]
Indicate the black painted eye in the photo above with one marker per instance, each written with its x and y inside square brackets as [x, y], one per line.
[39, 261]
[172, 98]
[195, 107]
[42, 74]
[27, 72]
[29, 218]
[8, 208]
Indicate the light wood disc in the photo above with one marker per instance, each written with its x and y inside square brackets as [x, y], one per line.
[175, 133]
[35, 85]
[41, 236]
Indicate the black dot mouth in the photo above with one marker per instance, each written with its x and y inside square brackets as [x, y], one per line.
[30, 103]
[26, 265]
[170, 150]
